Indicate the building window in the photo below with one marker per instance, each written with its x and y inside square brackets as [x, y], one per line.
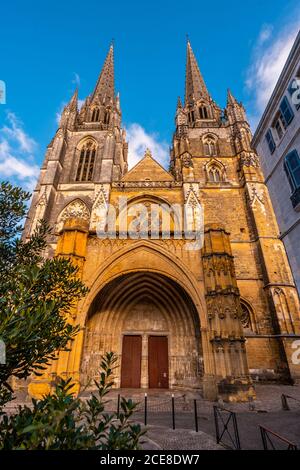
[203, 112]
[279, 126]
[191, 116]
[292, 169]
[210, 146]
[215, 172]
[106, 117]
[270, 141]
[95, 115]
[86, 162]
[286, 111]
[247, 318]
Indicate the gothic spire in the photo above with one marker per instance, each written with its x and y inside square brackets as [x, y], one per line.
[73, 101]
[179, 104]
[235, 110]
[231, 99]
[105, 88]
[195, 87]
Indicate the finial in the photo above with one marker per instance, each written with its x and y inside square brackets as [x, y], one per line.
[179, 104]
[73, 101]
[187, 38]
[148, 153]
[230, 98]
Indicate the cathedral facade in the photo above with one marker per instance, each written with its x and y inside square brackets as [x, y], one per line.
[214, 316]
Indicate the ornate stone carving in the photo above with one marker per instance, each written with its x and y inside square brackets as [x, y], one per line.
[43, 199]
[99, 210]
[75, 210]
[245, 316]
[256, 194]
[146, 184]
[187, 161]
[40, 208]
[250, 159]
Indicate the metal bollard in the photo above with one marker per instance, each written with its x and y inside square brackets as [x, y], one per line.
[196, 415]
[284, 402]
[145, 410]
[118, 406]
[173, 410]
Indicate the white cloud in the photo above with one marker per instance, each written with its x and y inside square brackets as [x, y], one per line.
[139, 140]
[16, 158]
[265, 34]
[269, 56]
[80, 103]
[15, 132]
[76, 79]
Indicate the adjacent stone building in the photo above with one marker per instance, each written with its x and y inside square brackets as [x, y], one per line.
[277, 140]
[211, 318]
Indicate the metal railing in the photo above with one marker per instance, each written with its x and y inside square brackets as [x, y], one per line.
[284, 401]
[226, 426]
[273, 441]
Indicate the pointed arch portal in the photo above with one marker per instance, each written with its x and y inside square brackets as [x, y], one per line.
[152, 324]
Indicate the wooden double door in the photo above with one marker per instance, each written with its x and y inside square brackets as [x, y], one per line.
[158, 361]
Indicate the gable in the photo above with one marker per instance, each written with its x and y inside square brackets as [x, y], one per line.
[148, 169]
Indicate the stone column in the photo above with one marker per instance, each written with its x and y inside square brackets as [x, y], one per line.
[144, 365]
[225, 331]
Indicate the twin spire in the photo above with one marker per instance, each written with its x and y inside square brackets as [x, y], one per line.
[195, 87]
[105, 87]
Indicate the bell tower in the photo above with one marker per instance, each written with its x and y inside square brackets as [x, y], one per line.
[87, 153]
[212, 155]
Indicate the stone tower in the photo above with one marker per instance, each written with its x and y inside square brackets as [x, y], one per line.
[87, 153]
[215, 318]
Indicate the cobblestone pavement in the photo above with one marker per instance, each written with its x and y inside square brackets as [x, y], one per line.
[285, 423]
[266, 410]
[180, 439]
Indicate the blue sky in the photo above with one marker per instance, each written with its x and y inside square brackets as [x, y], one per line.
[48, 47]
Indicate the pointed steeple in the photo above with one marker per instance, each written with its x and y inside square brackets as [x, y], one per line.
[73, 101]
[235, 110]
[195, 87]
[69, 113]
[179, 104]
[105, 88]
[231, 100]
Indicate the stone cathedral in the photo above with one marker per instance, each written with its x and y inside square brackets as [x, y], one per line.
[215, 319]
